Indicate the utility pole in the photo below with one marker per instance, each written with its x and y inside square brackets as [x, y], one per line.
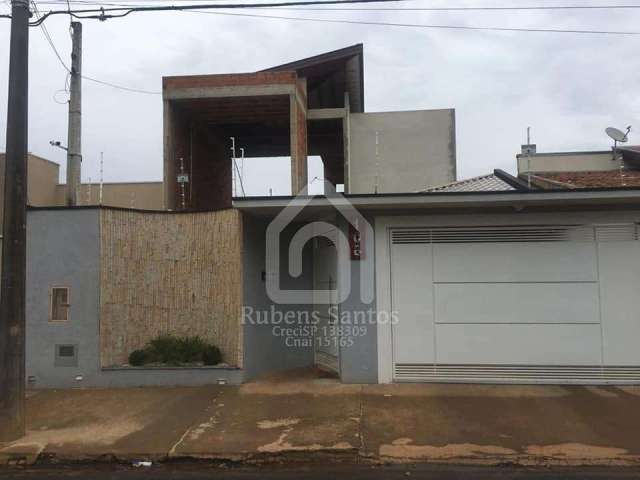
[12, 288]
[74, 141]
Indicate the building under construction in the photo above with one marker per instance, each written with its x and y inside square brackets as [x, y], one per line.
[406, 277]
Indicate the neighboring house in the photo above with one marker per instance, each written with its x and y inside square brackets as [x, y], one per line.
[480, 280]
[44, 189]
[578, 170]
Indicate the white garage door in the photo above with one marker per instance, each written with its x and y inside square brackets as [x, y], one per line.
[516, 303]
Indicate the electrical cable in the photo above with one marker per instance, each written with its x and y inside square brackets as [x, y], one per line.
[431, 9]
[91, 79]
[45, 32]
[120, 87]
[102, 15]
[421, 25]
[457, 9]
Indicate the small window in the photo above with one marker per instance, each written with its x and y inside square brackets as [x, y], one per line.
[66, 356]
[59, 304]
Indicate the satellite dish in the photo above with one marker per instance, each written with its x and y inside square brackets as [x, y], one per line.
[618, 135]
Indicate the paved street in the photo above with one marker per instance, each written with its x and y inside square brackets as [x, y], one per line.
[361, 472]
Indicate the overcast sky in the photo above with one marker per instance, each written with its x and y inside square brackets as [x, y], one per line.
[567, 87]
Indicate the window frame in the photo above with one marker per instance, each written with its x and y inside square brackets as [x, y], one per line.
[67, 305]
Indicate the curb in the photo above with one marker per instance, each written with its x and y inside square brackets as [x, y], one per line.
[25, 457]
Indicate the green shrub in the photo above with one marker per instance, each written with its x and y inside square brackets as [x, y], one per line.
[164, 349]
[171, 350]
[191, 349]
[211, 355]
[137, 358]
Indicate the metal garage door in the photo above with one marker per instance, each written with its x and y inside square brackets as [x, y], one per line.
[515, 303]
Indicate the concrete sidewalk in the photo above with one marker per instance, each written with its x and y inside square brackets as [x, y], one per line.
[313, 419]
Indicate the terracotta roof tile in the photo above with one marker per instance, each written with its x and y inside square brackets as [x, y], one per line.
[611, 178]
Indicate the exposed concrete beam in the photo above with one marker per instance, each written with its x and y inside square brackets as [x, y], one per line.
[326, 113]
[228, 91]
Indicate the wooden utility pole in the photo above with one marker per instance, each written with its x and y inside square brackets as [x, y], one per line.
[12, 289]
[74, 132]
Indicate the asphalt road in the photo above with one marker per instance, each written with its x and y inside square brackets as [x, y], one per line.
[350, 472]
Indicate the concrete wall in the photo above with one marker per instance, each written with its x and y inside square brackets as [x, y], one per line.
[567, 162]
[42, 182]
[359, 350]
[140, 195]
[416, 150]
[265, 349]
[63, 249]
[44, 189]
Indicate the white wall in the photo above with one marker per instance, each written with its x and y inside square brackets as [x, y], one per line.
[416, 150]
[568, 162]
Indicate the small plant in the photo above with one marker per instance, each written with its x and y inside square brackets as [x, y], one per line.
[164, 349]
[211, 355]
[192, 349]
[171, 350]
[137, 358]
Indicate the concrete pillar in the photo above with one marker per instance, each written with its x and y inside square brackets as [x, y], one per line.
[298, 129]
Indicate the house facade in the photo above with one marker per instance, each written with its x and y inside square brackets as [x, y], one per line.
[403, 277]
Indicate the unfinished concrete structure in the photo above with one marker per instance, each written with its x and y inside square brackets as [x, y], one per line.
[309, 107]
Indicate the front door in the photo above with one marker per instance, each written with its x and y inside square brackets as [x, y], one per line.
[325, 278]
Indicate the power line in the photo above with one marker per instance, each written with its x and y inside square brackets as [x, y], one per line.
[46, 34]
[420, 25]
[462, 9]
[120, 87]
[426, 9]
[102, 15]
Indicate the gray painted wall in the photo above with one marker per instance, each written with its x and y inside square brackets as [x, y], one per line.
[359, 356]
[264, 350]
[417, 150]
[63, 249]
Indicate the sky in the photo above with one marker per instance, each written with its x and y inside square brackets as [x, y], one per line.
[567, 87]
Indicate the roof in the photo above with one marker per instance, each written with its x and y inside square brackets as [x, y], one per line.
[340, 54]
[447, 202]
[601, 179]
[482, 183]
[334, 66]
[631, 155]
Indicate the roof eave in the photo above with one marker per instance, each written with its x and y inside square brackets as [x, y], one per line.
[457, 200]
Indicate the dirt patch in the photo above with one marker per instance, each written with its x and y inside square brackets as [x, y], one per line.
[403, 449]
[281, 422]
[576, 450]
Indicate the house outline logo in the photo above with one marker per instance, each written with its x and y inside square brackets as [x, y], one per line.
[302, 236]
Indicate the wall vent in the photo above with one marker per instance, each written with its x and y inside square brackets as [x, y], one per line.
[490, 234]
[66, 356]
[515, 374]
[617, 233]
